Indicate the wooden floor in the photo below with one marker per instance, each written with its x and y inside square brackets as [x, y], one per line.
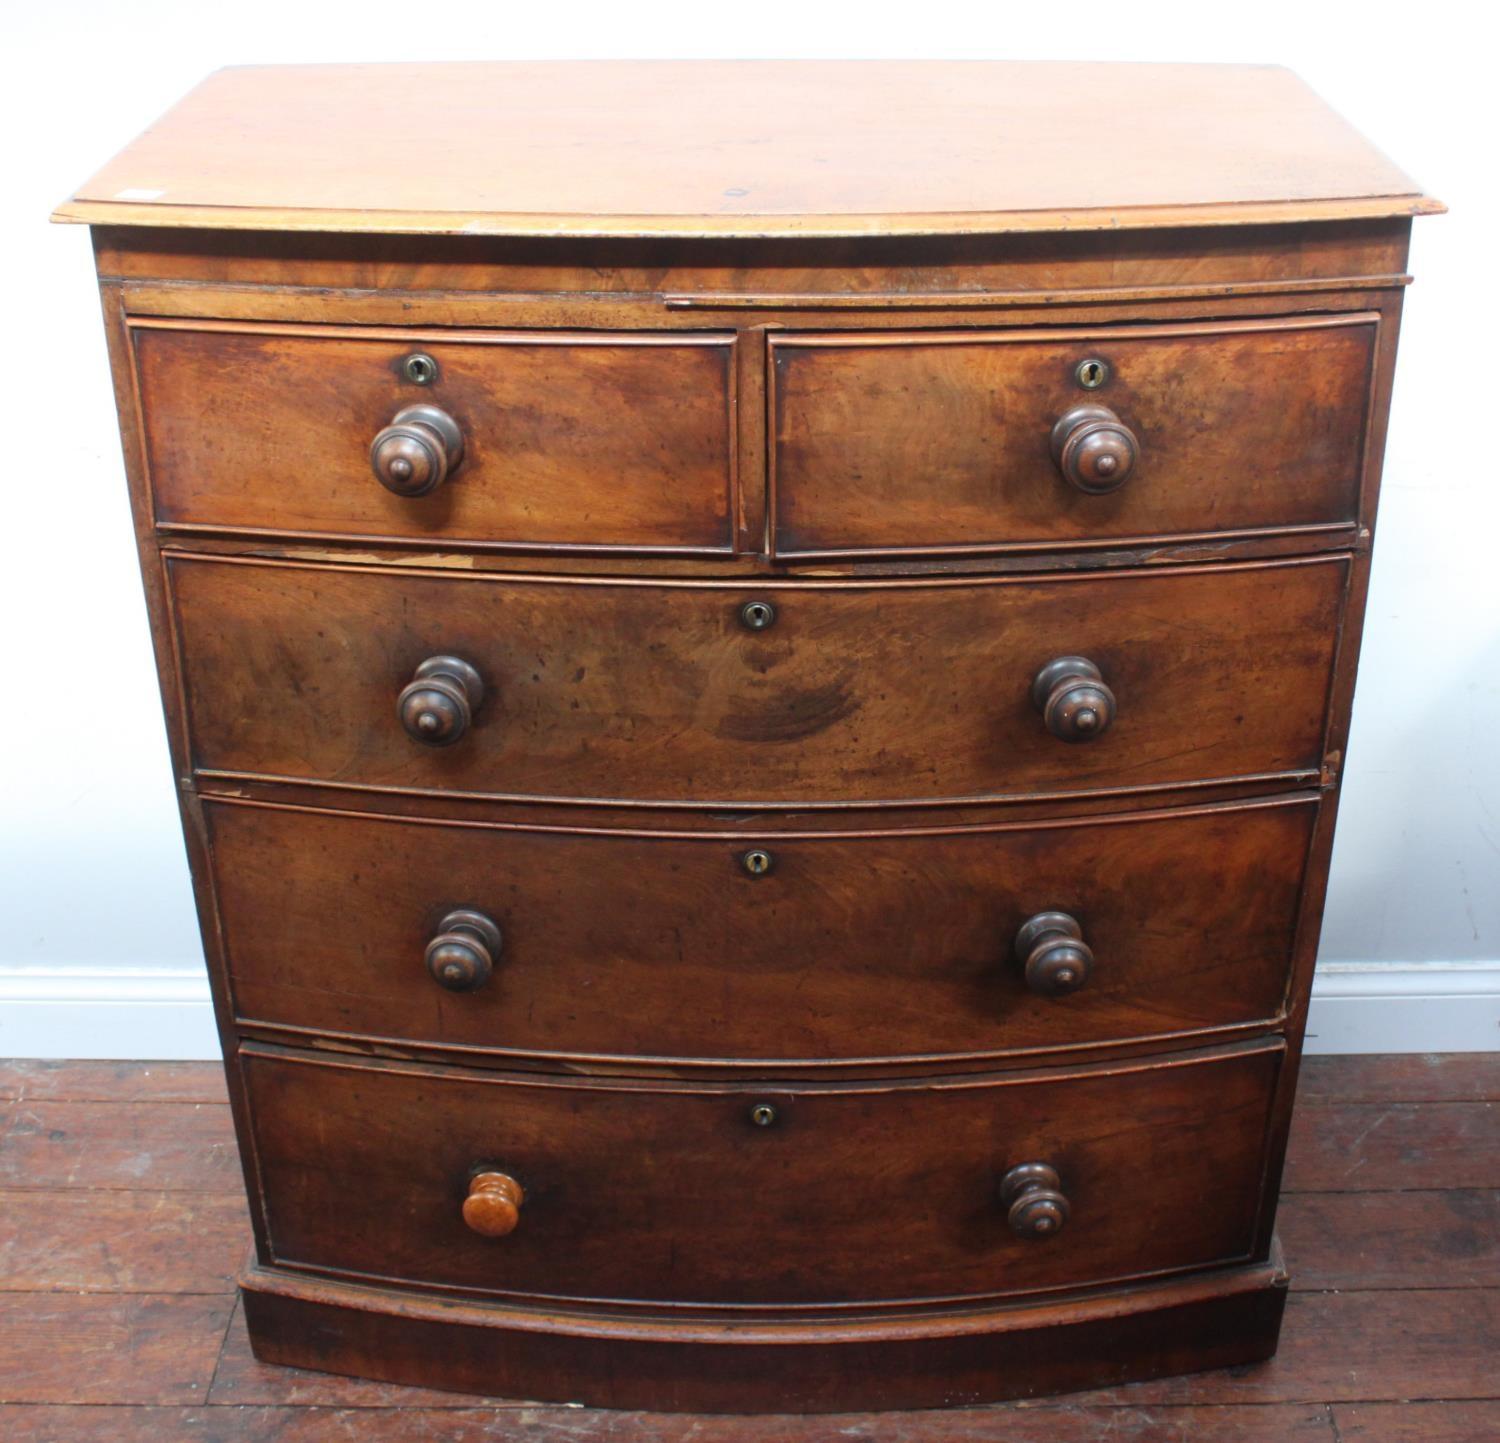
[122, 1225]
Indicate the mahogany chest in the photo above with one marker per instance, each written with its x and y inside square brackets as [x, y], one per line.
[758, 659]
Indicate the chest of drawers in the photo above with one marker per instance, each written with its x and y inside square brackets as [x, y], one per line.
[758, 660]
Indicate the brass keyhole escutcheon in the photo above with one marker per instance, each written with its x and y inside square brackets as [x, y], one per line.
[757, 615]
[762, 1114]
[757, 862]
[419, 368]
[1092, 373]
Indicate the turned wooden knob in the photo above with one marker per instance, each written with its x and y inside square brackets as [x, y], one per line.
[437, 705]
[1094, 449]
[1035, 1204]
[461, 957]
[493, 1206]
[1051, 949]
[1074, 701]
[418, 451]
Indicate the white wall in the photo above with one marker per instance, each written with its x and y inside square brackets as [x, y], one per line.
[98, 948]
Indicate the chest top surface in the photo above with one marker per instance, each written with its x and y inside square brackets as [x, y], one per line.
[744, 149]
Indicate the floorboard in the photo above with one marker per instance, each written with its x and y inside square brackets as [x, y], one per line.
[112, 1081]
[1358, 1242]
[559, 1425]
[140, 1146]
[1393, 1146]
[119, 1348]
[1407, 1077]
[93, 1241]
[1417, 1422]
[1355, 1347]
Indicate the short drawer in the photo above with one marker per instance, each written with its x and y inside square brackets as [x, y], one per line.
[576, 439]
[738, 1195]
[866, 947]
[660, 693]
[973, 440]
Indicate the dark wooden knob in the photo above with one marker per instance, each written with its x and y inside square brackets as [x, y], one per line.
[461, 957]
[437, 705]
[1094, 449]
[1035, 1204]
[418, 451]
[1074, 701]
[493, 1206]
[1051, 949]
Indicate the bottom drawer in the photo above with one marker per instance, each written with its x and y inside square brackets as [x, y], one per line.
[739, 1195]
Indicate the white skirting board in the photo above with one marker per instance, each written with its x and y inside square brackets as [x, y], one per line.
[150, 1014]
[164, 1015]
[1405, 1007]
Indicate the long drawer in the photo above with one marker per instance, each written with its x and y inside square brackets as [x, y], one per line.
[864, 946]
[587, 439]
[968, 440]
[588, 689]
[734, 1195]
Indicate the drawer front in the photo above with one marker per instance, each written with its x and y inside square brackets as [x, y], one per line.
[675, 1194]
[943, 441]
[659, 693]
[577, 439]
[850, 947]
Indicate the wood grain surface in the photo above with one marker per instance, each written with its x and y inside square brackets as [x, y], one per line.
[934, 441]
[1190, 916]
[648, 1193]
[744, 149]
[658, 693]
[581, 439]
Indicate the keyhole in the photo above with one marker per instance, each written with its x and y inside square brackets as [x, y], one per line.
[757, 615]
[762, 1114]
[757, 863]
[1092, 374]
[420, 369]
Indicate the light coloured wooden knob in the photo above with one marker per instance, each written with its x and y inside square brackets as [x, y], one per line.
[493, 1206]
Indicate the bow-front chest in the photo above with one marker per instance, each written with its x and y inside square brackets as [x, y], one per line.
[758, 660]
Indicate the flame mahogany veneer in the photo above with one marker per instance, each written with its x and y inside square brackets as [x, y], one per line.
[758, 659]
